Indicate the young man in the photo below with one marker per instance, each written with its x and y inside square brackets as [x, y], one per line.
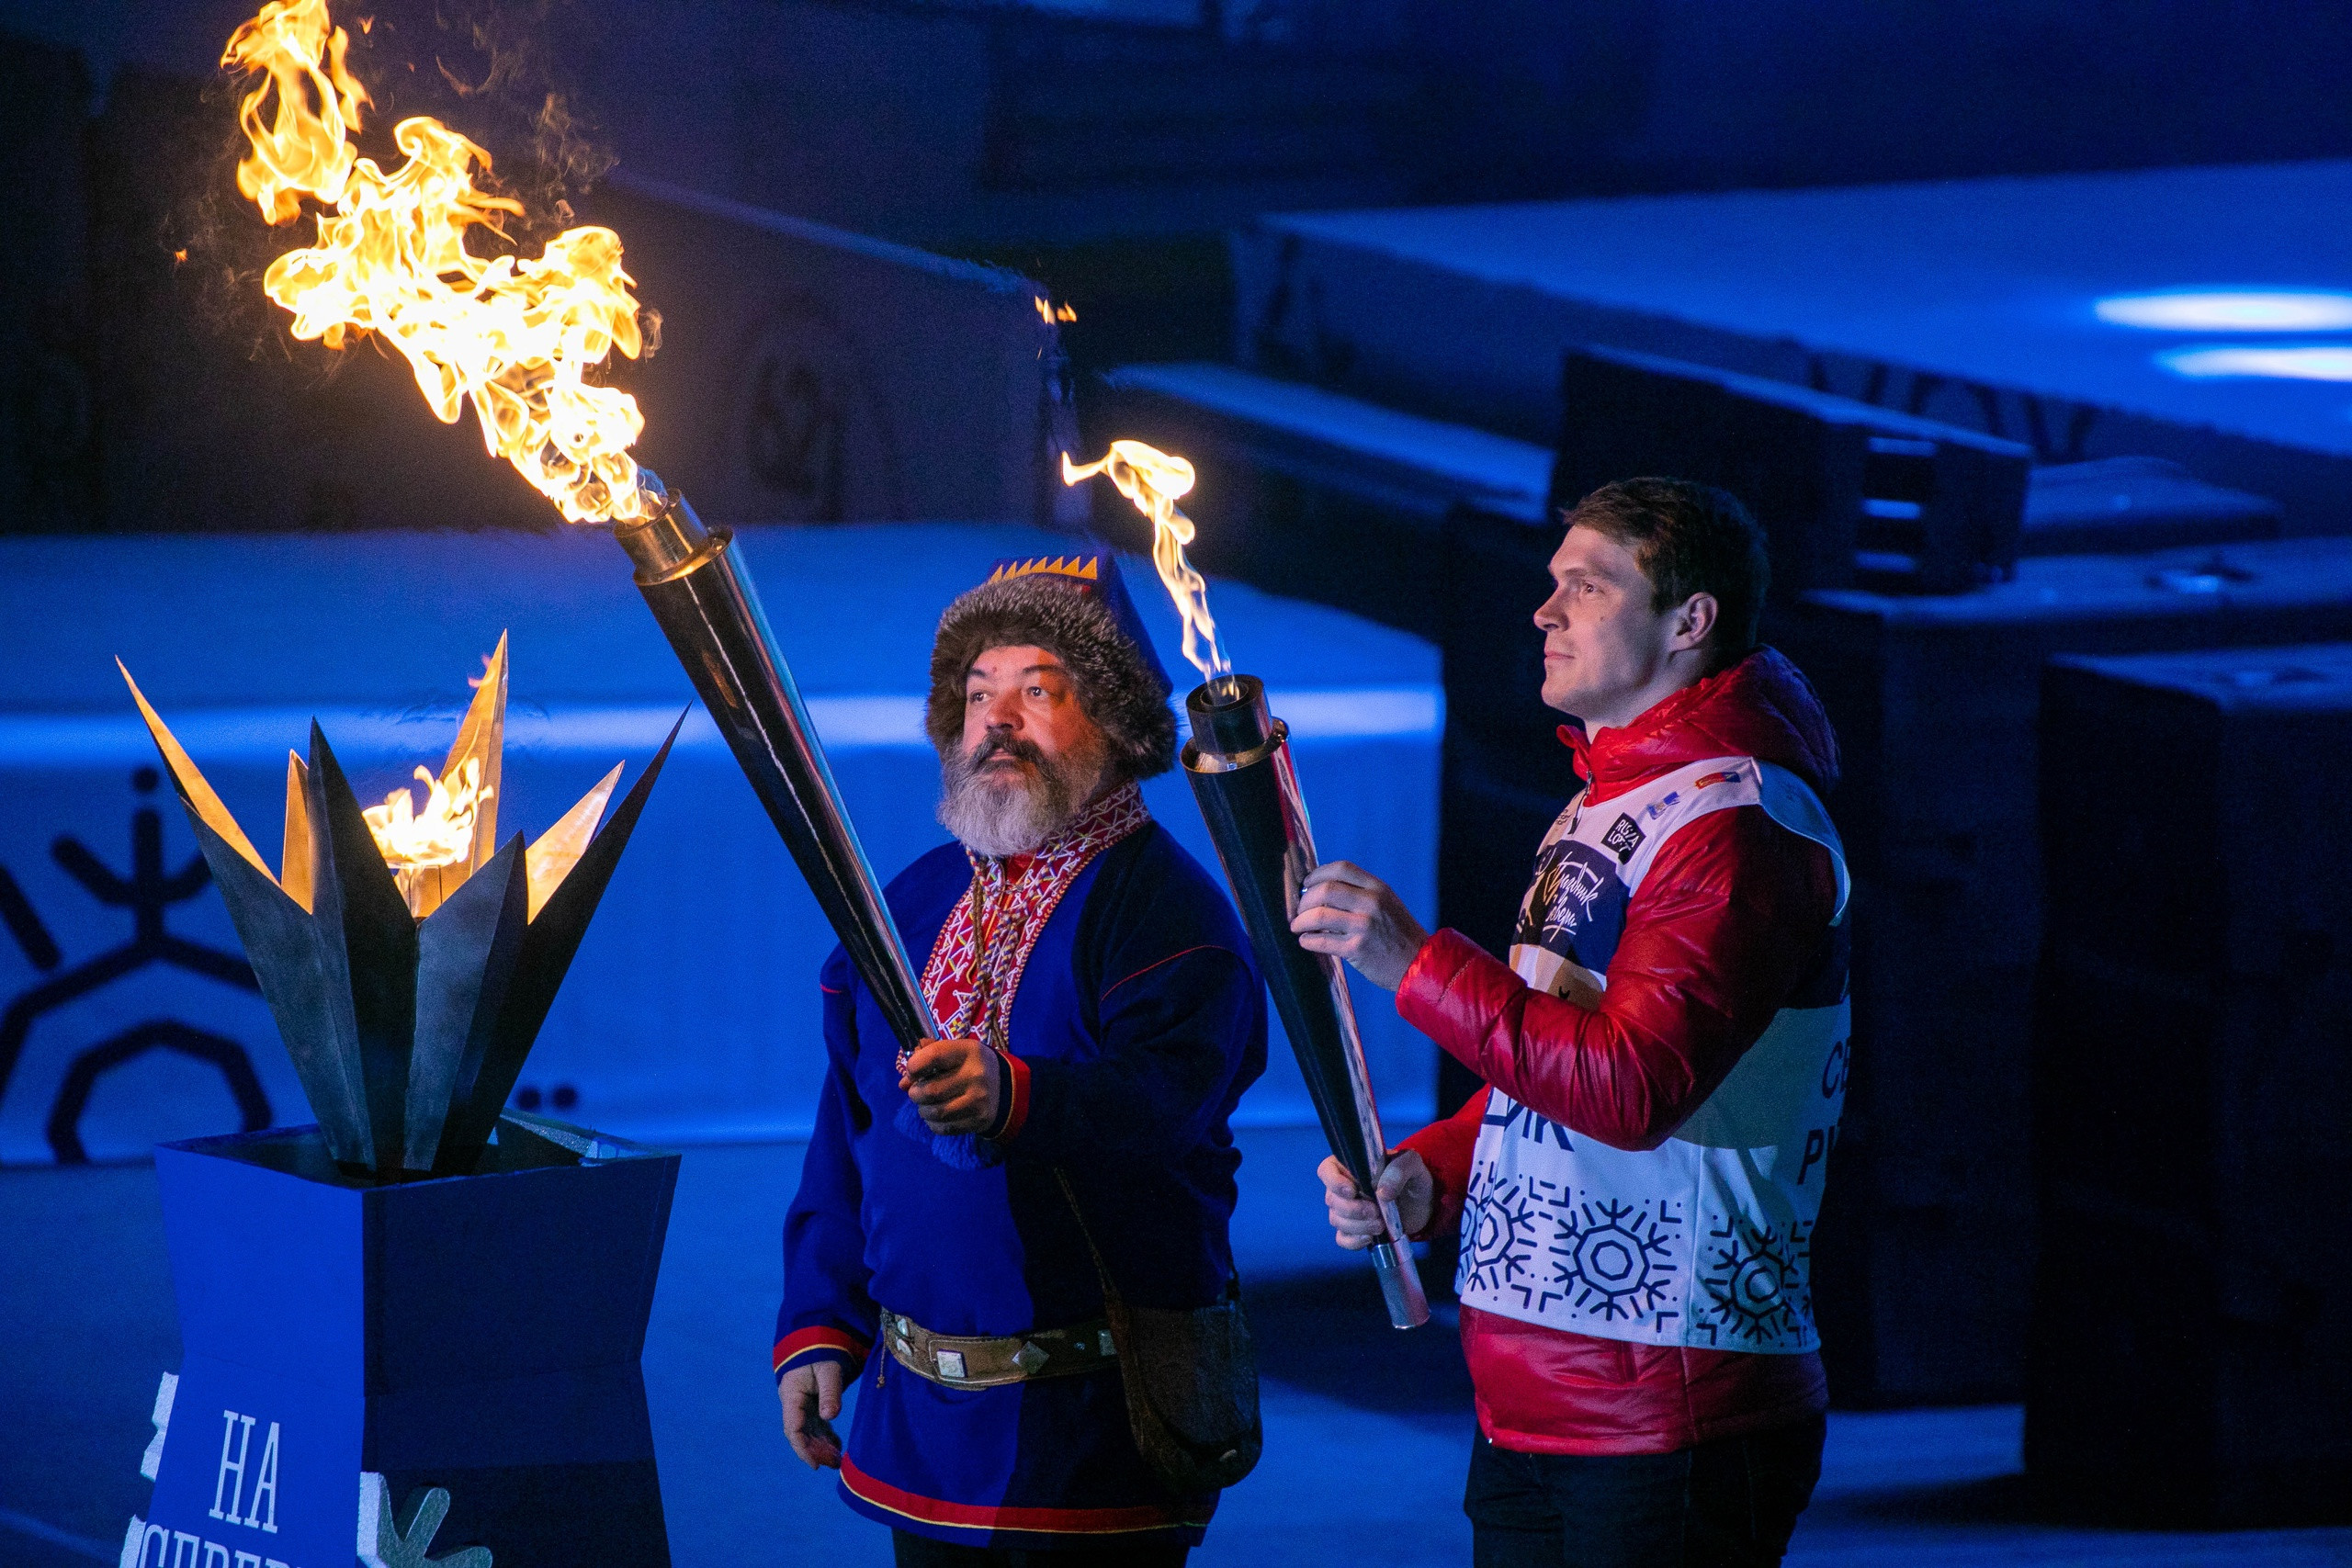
[1636, 1188]
[1101, 1017]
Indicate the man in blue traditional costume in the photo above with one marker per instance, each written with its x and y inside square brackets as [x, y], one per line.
[1100, 1016]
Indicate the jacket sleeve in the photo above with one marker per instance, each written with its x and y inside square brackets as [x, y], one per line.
[1175, 1034]
[828, 1314]
[1718, 936]
[1446, 1147]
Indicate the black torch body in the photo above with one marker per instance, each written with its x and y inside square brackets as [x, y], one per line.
[703, 597]
[1239, 766]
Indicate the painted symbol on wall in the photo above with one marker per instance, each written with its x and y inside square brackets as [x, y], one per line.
[1756, 1283]
[811, 440]
[1615, 1260]
[1499, 1221]
[147, 891]
[793, 438]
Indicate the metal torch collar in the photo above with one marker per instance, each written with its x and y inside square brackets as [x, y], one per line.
[669, 542]
[1202, 762]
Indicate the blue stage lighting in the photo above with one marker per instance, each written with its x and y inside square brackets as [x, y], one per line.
[2230, 311]
[2309, 362]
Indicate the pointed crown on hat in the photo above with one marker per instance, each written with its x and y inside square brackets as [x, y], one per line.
[1085, 569]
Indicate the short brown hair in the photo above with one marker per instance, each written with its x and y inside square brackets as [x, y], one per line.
[1689, 538]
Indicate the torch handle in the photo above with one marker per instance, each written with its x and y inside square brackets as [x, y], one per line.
[1400, 1284]
[1258, 822]
[703, 597]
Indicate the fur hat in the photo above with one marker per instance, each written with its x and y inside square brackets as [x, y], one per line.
[1120, 683]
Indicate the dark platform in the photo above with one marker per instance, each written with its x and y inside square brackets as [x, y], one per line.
[2192, 1330]
[1968, 301]
[1926, 1256]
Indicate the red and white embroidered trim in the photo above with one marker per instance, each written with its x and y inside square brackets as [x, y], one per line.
[975, 966]
[820, 1341]
[887, 1499]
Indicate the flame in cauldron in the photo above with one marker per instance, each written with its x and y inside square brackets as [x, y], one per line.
[442, 834]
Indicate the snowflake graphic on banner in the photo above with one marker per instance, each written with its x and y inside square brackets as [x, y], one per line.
[1614, 1260]
[390, 1541]
[1754, 1283]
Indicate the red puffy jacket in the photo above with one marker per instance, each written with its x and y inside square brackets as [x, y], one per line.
[1733, 916]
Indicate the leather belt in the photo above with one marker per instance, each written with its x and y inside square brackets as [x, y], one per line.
[986, 1361]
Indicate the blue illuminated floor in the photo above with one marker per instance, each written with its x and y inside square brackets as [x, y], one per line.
[1365, 1429]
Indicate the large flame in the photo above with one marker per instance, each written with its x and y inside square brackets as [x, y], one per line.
[513, 336]
[442, 834]
[1153, 479]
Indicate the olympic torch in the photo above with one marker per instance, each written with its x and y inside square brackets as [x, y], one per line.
[517, 338]
[1238, 764]
[703, 597]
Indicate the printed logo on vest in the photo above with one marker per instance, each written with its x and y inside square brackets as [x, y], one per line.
[1703, 779]
[1624, 836]
[1576, 907]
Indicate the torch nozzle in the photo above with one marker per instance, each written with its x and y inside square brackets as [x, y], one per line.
[668, 538]
[1229, 719]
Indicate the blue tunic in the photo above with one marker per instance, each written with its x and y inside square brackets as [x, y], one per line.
[1141, 1019]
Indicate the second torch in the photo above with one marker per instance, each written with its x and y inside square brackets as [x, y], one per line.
[1238, 764]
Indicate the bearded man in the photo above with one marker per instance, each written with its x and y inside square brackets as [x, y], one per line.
[1100, 1016]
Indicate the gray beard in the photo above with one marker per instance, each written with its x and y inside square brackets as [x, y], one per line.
[999, 817]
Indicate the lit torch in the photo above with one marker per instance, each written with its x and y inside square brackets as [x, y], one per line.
[516, 338]
[1240, 765]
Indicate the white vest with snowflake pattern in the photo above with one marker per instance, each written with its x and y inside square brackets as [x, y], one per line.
[1707, 1239]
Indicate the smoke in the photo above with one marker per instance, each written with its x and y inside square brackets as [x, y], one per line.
[492, 69]
[496, 71]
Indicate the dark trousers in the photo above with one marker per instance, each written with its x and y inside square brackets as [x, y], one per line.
[1730, 1504]
[910, 1550]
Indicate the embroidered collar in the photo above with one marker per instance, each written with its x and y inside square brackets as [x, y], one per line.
[975, 966]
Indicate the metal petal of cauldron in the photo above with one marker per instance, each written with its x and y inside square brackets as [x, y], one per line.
[407, 1034]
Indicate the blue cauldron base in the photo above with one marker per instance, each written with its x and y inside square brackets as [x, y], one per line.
[476, 1334]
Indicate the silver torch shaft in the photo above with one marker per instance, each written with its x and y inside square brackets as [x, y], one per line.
[1238, 763]
[703, 597]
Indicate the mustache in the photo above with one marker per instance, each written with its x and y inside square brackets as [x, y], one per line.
[1003, 746]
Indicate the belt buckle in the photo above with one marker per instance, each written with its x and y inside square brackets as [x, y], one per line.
[951, 1363]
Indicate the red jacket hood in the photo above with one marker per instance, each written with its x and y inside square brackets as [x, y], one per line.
[1761, 708]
